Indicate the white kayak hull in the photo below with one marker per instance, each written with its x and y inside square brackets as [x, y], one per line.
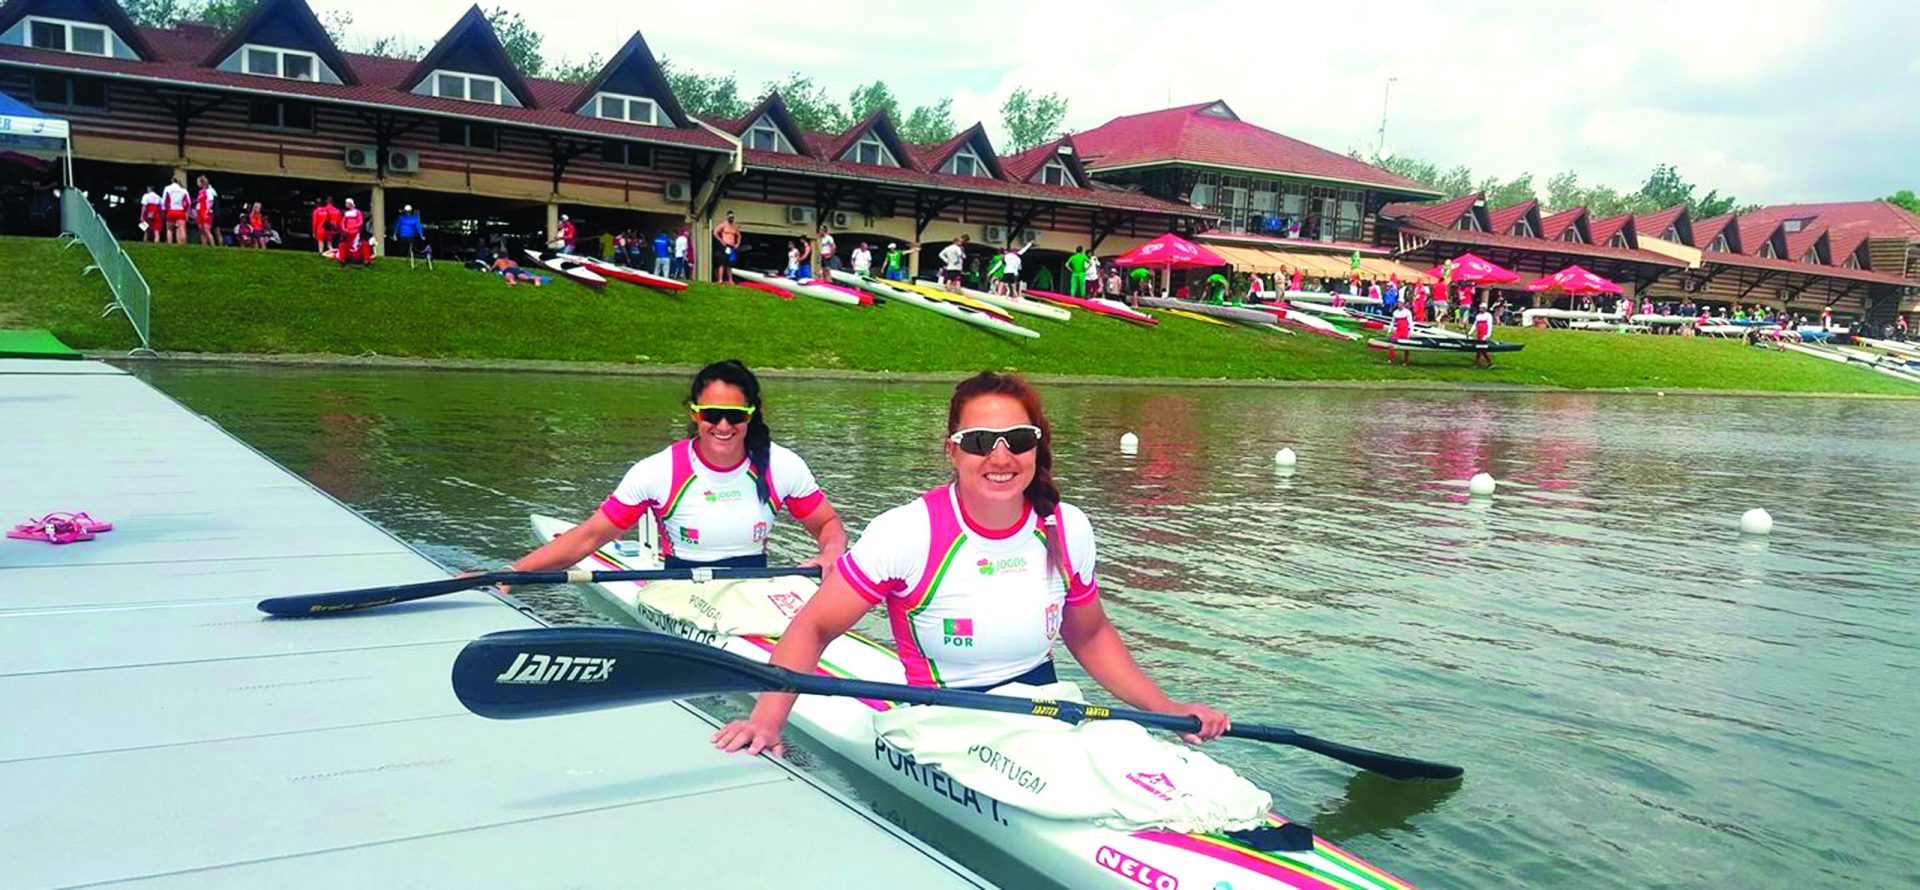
[1250, 317]
[824, 294]
[1076, 854]
[886, 291]
[1021, 305]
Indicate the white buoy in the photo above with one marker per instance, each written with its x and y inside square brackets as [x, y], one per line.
[1129, 443]
[1756, 522]
[1285, 457]
[1481, 485]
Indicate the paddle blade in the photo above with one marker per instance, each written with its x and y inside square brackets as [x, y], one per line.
[536, 673]
[307, 605]
[1392, 766]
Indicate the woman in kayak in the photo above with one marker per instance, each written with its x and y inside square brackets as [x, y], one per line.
[979, 576]
[714, 495]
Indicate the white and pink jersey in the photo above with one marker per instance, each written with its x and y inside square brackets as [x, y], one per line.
[1402, 324]
[1483, 326]
[707, 513]
[971, 606]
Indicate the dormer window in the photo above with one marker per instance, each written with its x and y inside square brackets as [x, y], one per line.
[871, 151]
[1767, 251]
[632, 109]
[1853, 262]
[467, 87]
[269, 61]
[1619, 239]
[1720, 244]
[1522, 229]
[1671, 234]
[61, 35]
[765, 135]
[1795, 225]
[1054, 172]
[965, 162]
[1468, 223]
[1572, 235]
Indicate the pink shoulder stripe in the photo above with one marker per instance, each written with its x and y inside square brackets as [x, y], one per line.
[624, 515]
[872, 592]
[1078, 593]
[943, 528]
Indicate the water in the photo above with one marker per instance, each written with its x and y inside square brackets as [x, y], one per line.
[1641, 696]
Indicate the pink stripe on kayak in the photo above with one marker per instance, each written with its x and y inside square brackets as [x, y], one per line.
[1293, 876]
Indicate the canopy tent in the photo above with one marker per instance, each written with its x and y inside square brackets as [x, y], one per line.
[1173, 252]
[1574, 280]
[26, 131]
[1470, 269]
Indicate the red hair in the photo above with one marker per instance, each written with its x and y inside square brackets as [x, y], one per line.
[1041, 493]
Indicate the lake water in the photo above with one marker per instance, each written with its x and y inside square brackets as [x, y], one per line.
[1641, 696]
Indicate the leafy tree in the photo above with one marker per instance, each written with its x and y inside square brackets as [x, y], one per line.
[225, 14]
[704, 95]
[393, 46]
[809, 104]
[521, 42]
[1712, 205]
[161, 13]
[1509, 193]
[930, 123]
[578, 72]
[1907, 199]
[1031, 120]
[868, 98]
[1665, 188]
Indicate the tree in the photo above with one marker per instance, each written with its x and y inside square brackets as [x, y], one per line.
[394, 46]
[521, 42]
[809, 104]
[1665, 188]
[225, 14]
[1711, 206]
[1907, 199]
[704, 95]
[1030, 121]
[578, 72]
[1509, 193]
[868, 98]
[160, 13]
[928, 124]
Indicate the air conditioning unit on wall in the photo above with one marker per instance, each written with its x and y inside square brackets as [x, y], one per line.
[799, 216]
[361, 157]
[403, 162]
[994, 234]
[842, 220]
[1029, 236]
[679, 192]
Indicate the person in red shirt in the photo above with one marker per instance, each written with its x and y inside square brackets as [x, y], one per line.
[567, 234]
[334, 223]
[353, 247]
[203, 201]
[323, 225]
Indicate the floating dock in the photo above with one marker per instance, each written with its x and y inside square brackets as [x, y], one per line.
[161, 731]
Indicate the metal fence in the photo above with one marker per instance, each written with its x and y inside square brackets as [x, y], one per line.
[131, 295]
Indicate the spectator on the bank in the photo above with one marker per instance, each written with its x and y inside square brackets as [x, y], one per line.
[620, 249]
[681, 243]
[322, 224]
[728, 234]
[510, 272]
[407, 229]
[863, 260]
[568, 234]
[663, 255]
[793, 258]
[174, 201]
[151, 218]
[1900, 326]
[1113, 282]
[254, 230]
[203, 201]
[829, 253]
[804, 267]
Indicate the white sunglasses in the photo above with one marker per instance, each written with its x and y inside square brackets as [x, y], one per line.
[980, 441]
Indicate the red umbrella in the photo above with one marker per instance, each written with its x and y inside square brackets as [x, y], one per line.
[1470, 269]
[1574, 280]
[1171, 251]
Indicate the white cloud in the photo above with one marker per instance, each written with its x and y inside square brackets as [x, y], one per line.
[1769, 101]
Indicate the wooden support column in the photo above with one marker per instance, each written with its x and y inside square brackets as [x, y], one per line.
[378, 212]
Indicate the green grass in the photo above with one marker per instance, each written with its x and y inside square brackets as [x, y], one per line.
[234, 301]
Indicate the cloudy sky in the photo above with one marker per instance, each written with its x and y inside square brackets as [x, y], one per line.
[1770, 100]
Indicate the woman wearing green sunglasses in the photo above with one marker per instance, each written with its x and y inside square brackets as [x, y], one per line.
[714, 495]
[979, 576]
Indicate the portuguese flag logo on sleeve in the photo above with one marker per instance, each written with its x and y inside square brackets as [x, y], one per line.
[957, 632]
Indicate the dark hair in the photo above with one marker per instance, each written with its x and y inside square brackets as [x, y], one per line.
[759, 436]
[1041, 493]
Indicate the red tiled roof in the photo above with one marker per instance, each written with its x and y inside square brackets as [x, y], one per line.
[178, 53]
[1655, 224]
[1754, 233]
[1704, 231]
[1020, 166]
[1556, 225]
[1603, 230]
[1757, 262]
[1199, 134]
[933, 157]
[1799, 242]
[1502, 220]
[1880, 219]
[1445, 213]
[1541, 245]
[1845, 242]
[1107, 197]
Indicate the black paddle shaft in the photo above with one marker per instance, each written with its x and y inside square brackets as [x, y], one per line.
[535, 673]
[317, 604]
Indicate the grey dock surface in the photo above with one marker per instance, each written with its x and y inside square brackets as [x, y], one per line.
[160, 731]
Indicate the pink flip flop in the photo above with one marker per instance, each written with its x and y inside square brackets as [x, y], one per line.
[53, 529]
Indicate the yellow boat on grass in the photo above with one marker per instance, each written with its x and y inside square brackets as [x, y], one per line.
[934, 293]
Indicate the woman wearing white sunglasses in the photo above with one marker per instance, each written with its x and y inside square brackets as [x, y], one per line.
[979, 576]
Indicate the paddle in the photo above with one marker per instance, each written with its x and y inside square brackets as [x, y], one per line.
[534, 673]
[311, 604]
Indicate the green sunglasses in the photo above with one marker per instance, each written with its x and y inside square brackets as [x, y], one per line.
[733, 414]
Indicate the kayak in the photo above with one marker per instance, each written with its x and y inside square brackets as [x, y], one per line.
[1011, 304]
[1110, 308]
[1242, 314]
[1892, 346]
[1445, 344]
[570, 268]
[1196, 317]
[1527, 316]
[1301, 318]
[1322, 297]
[765, 288]
[888, 290]
[627, 274]
[934, 293]
[803, 288]
[1075, 854]
[1340, 315]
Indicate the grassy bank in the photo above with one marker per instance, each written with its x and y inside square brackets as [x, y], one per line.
[233, 301]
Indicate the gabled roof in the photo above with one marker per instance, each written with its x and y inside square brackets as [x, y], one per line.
[1706, 230]
[1844, 243]
[1881, 218]
[636, 60]
[775, 108]
[295, 15]
[1603, 230]
[1811, 237]
[1210, 134]
[106, 12]
[880, 124]
[1023, 166]
[1756, 232]
[1447, 213]
[475, 33]
[1655, 224]
[1502, 219]
[1554, 226]
[933, 157]
[1493, 240]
